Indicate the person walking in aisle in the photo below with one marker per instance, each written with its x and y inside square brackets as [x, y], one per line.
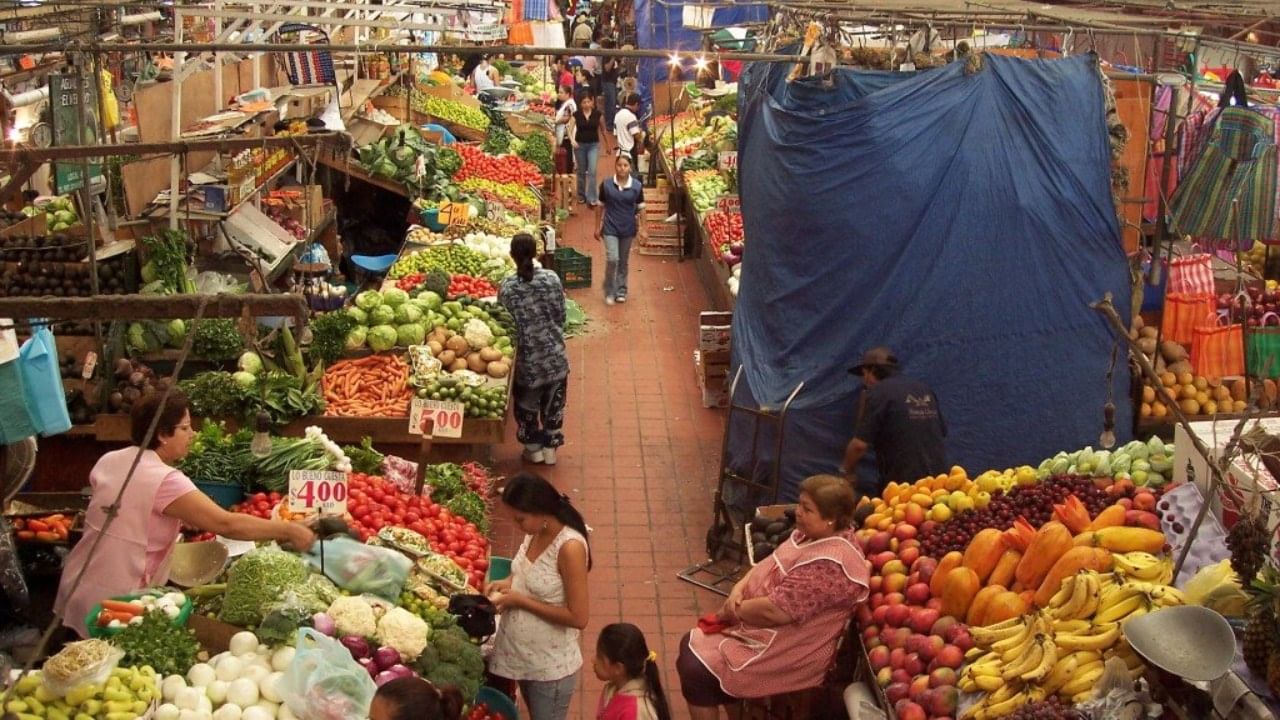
[610, 72]
[584, 134]
[544, 604]
[535, 299]
[618, 218]
[566, 106]
[628, 133]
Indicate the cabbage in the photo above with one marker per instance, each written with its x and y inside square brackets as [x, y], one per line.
[1120, 462]
[244, 379]
[356, 338]
[369, 299]
[382, 337]
[382, 315]
[408, 313]
[1155, 446]
[251, 363]
[1104, 464]
[359, 315]
[410, 334]
[432, 300]
[394, 297]
[177, 332]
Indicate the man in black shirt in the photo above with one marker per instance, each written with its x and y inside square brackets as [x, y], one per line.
[900, 418]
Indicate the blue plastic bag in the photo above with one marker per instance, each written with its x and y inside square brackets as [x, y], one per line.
[361, 569]
[42, 382]
[324, 682]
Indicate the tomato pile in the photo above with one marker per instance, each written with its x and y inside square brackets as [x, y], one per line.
[374, 503]
[410, 282]
[482, 712]
[49, 529]
[258, 504]
[725, 227]
[505, 169]
[476, 287]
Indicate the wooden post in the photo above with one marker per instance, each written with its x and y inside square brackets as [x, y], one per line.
[424, 452]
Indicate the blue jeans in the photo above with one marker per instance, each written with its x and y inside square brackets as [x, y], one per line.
[584, 156]
[610, 92]
[616, 252]
[549, 700]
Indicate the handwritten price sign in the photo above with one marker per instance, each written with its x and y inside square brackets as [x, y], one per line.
[323, 491]
[455, 213]
[727, 160]
[729, 204]
[446, 417]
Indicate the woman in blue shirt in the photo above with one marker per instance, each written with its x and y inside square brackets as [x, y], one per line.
[621, 201]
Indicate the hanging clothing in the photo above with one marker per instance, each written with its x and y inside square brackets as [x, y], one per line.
[1230, 192]
[135, 549]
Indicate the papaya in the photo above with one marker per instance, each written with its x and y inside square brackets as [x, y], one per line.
[1003, 572]
[978, 608]
[1124, 539]
[1112, 516]
[984, 552]
[1072, 561]
[948, 562]
[958, 590]
[1051, 541]
[1004, 606]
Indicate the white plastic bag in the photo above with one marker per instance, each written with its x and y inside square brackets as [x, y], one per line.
[324, 682]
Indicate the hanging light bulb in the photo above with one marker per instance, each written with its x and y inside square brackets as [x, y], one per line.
[701, 63]
[260, 446]
[1107, 439]
[675, 60]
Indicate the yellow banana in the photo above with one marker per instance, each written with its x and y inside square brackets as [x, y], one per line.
[1142, 610]
[988, 683]
[1048, 659]
[1114, 592]
[1093, 599]
[1060, 674]
[1070, 608]
[1121, 609]
[966, 684]
[1086, 657]
[1081, 697]
[1071, 626]
[1083, 681]
[1100, 641]
[1025, 663]
[976, 654]
[989, 635]
[1066, 591]
[1018, 650]
[986, 668]
[1005, 707]
[1138, 564]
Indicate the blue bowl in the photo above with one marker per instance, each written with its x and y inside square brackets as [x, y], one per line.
[431, 218]
[498, 703]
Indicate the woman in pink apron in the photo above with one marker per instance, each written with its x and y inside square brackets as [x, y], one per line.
[779, 626]
[133, 552]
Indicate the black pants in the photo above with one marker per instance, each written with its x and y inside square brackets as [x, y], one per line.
[540, 413]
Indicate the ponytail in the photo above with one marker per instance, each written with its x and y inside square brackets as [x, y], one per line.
[569, 515]
[523, 248]
[532, 494]
[653, 683]
[624, 643]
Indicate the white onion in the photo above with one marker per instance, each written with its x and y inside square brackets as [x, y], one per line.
[243, 692]
[168, 711]
[227, 712]
[171, 685]
[270, 687]
[217, 692]
[188, 698]
[257, 712]
[201, 674]
[243, 643]
[230, 669]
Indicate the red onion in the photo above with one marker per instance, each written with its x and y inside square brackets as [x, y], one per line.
[401, 671]
[383, 678]
[385, 657]
[324, 624]
[357, 645]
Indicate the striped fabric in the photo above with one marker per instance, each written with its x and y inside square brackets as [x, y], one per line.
[535, 10]
[311, 67]
[1237, 166]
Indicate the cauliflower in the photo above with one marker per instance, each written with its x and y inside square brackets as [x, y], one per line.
[477, 333]
[404, 631]
[353, 616]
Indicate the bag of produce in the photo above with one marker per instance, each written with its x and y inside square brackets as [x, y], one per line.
[324, 682]
[359, 568]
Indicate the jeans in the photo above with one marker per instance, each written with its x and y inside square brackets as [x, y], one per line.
[610, 92]
[585, 156]
[539, 413]
[548, 700]
[616, 251]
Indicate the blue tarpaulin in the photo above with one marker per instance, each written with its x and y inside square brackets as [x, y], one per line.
[963, 219]
[660, 26]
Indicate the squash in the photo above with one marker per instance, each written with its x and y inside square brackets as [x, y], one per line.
[1051, 541]
[1124, 539]
[1072, 561]
[958, 590]
[984, 552]
[1003, 572]
[948, 562]
[978, 608]
[1005, 606]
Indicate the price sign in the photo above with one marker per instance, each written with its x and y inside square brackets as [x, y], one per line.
[324, 491]
[455, 213]
[727, 160]
[729, 204]
[447, 417]
[66, 96]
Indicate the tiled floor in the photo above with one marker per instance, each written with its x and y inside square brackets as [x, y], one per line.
[641, 456]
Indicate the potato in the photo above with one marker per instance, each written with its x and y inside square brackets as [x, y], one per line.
[498, 369]
[1183, 370]
[1147, 346]
[490, 354]
[458, 345]
[1139, 323]
[1172, 351]
[1149, 332]
[436, 347]
[458, 364]
[475, 363]
[446, 358]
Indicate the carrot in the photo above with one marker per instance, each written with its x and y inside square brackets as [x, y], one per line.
[120, 606]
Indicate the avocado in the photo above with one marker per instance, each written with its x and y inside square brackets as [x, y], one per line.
[776, 528]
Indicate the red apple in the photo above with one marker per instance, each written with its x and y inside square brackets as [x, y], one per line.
[907, 710]
[884, 677]
[874, 642]
[943, 626]
[922, 619]
[870, 631]
[918, 594]
[896, 692]
[895, 637]
[897, 657]
[898, 615]
[917, 643]
[894, 598]
[934, 603]
[900, 675]
[879, 613]
[905, 531]
[878, 543]
[943, 700]
[908, 555]
[875, 601]
[914, 665]
[963, 640]
[928, 526]
[919, 690]
[879, 559]
[924, 566]
[933, 647]
[955, 631]
[950, 656]
[879, 658]
[942, 677]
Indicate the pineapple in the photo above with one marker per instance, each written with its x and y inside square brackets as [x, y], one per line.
[1273, 675]
[1248, 540]
[1259, 634]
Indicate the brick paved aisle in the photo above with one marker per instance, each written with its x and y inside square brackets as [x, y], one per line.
[640, 458]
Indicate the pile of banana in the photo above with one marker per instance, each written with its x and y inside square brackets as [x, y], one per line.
[1061, 649]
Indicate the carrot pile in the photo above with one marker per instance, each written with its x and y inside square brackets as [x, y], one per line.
[118, 610]
[373, 386]
[50, 529]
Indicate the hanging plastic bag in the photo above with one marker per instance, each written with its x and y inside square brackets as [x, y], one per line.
[359, 568]
[324, 682]
[42, 382]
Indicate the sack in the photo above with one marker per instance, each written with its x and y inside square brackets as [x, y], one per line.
[1263, 351]
[1191, 274]
[1183, 313]
[42, 382]
[1218, 350]
[475, 613]
[359, 568]
[324, 682]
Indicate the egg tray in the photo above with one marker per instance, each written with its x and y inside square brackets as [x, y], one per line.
[1178, 509]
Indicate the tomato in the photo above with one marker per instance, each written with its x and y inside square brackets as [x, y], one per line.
[412, 517]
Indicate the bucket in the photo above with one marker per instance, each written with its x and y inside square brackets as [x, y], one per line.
[224, 495]
[499, 568]
[431, 218]
[498, 703]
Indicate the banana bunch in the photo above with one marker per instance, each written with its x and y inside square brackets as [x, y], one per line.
[1145, 567]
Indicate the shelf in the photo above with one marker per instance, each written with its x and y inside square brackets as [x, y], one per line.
[353, 170]
[114, 427]
[209, 216]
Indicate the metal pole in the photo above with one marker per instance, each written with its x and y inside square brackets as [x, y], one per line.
[71, 152]
[102, 134]
[86, 195]
[175, 121]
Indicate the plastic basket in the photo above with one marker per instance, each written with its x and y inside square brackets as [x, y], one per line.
[498, 703]
[91, 620]
[573, 267]
[223, 494]
[431, 218]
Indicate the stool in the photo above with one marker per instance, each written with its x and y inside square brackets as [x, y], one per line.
[372, 266]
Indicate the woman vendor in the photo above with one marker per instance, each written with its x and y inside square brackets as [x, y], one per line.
[777, 631]
[133, 553]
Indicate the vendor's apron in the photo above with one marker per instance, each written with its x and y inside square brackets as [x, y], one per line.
[753, 662]
[119, 565]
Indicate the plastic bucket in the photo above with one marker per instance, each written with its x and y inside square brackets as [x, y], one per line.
[498, 703]
[223, 494]
[499, 568]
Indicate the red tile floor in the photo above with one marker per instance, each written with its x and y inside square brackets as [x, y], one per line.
[640, 458]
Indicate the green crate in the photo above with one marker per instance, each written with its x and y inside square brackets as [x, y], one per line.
[91, 620]
[573, 267]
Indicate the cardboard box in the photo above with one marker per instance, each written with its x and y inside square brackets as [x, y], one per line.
[714, 329]
[308, 103]
[305, 203]
[217, 198]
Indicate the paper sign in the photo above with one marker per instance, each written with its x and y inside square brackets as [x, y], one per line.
[446, 415]
[90, 363]
[455, 213]
[324, 491]
[729, 204]
[727, 160]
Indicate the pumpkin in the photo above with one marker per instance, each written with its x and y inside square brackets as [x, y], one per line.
[948, 562]
[1003, 572]
[984, 552]
[1072, 561]
[959, 587]
[978, 608]
[1050, 542]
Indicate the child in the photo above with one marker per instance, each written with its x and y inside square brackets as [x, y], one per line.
[633, 690]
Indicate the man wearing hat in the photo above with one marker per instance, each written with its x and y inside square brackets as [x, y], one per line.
[900, 419]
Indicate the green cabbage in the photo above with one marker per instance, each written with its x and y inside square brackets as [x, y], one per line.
[359, 315]
[408, 313]
[369, 299]
[1155, 445]
[356, 338]
[410, 334]
[382, 337]
[432, 300]
[245, 379]
[394, 297]
[251, 363]
[382, 315]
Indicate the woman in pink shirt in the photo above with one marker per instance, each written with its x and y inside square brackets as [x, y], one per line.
[132, 551]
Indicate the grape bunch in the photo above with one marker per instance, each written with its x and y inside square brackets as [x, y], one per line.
[1051, 709]
[1033, 502]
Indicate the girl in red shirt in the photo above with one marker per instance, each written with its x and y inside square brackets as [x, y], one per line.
[633, 689]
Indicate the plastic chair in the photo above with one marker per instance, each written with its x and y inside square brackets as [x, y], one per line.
[498, 703]
[372, 266]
